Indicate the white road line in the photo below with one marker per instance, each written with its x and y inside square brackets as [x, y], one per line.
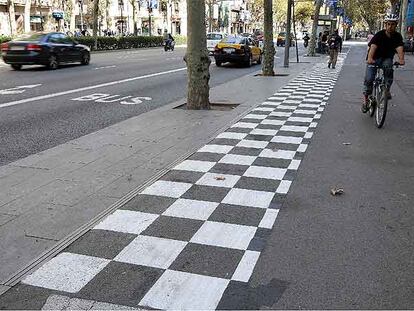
[104, 67]
[32, 99]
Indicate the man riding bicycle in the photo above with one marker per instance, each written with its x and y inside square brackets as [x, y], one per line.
[382, 49]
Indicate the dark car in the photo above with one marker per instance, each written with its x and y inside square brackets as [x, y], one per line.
[49, 49]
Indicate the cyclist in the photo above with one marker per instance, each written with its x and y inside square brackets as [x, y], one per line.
[382, 49]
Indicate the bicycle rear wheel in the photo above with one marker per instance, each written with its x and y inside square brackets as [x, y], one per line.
[382, 105]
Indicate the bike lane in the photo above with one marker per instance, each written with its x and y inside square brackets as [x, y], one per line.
[351, 251]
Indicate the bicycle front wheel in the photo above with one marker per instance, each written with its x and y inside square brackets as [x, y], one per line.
[381, 109]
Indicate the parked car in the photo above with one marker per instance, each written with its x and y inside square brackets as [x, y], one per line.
[281, 39]
[237, 49]
[49, 49]
[212, 39]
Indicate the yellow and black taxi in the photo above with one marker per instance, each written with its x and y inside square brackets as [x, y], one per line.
[237, 49]
[49, 49]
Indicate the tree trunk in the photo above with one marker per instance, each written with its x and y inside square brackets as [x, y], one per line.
[95, 22]
[288, 31]
[27, 7]
[107, 14]
[134, 17]
[269, 47]
[12, 17]
[197, 59]
[72, 25]
[404, 9]
[312, 43]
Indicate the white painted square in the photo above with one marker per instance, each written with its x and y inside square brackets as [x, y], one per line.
[191, 209]
[127, 221]
[263, 109]
[302, 147]
[250, 198]
[252, 144]
[216, 149]
[263, 132]
[287, 140]
[246, 266]
[67, 272]
[301, 111]
[151, 252]
[224, 235]
[300, 119]
[308, 135]
[255, 116]
[294, 128]
[282, 94]
[284, 186]
[316, 96]
[167, 188]
[245, 125]
[317, 91]
[275, 104]
[176, 290]
[291, 102]
[313, 124]
[237, 159]
[265, 172]
[308, 105]
[269, 218]
[276, 98]
[320, 109]
[280, 114]
[218, 180]
[294, 165]
[317, 116]
[312, 100]
[273, 122]
[285, 107]
[232, 135]
[278, 154]
[195, 166]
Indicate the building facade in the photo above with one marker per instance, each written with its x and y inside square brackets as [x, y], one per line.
[122, 17]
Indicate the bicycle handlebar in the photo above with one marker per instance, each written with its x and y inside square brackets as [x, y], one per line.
[396, 64]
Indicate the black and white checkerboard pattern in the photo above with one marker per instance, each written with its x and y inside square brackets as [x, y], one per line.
[184, 239]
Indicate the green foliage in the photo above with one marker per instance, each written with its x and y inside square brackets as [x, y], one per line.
[4, 38]
[116, 43]
[180, 39]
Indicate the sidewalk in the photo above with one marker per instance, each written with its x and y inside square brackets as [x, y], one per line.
[218, 205]
[49, 199]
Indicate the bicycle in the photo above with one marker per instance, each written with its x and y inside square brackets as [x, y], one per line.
[378, 101]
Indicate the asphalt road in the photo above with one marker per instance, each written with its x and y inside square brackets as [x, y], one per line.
[40, 109]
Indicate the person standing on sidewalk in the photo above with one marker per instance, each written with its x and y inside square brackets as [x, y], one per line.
[335, 47]
[382, 49]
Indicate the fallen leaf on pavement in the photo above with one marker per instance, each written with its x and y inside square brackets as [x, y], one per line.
[220, 178]
[337, 191]
[346, 144]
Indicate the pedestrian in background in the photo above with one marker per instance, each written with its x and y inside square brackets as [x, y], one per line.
[335, 47]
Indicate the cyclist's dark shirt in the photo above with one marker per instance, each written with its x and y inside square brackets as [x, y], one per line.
[386, 45]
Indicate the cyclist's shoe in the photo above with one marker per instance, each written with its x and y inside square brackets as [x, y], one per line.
[329, 65]
[388, 94]
[333, 67]
[365, 104]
